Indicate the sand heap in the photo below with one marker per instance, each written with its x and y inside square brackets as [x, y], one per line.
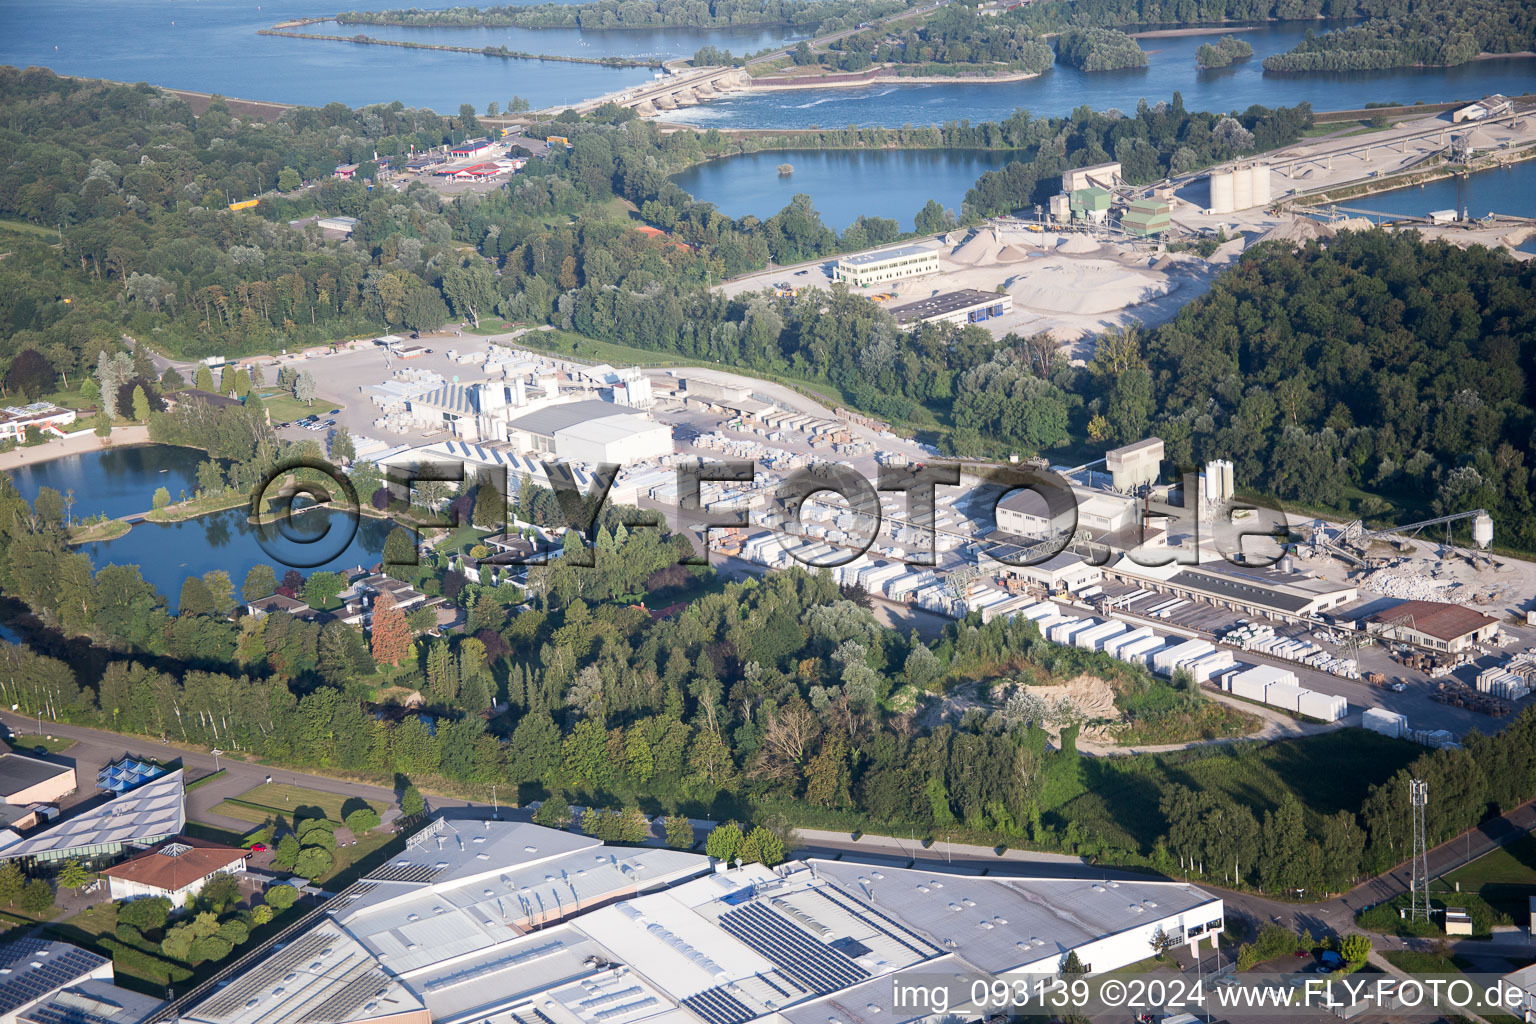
[980, 250]
[1011, 254]
[1085, 287]
[1298, 230]
[1078, 245]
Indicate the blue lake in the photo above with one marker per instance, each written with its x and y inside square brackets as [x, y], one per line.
[1171, 67]
[168, 553]
[115, 481]
[844, 183]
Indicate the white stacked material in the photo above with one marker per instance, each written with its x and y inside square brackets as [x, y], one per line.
[1433, 737]
[1044, 625]
[1138, 652]
[1115, 644]
[1171, 658]
[1323, 706]
[899, 589]
[1388, 723]
[1204, 668]
[1038, 612]
[1093, 639]
[1061, 631]
[1284, 695]
[1502, 684]
[1006, 609]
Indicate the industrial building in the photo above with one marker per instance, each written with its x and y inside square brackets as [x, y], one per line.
[1091, 204]
[1240, 187]
[31, 780]
[510, 923]
[1270, 593]
[1105, 176]
[141, 817]
[1135, 465]
[1025, 513]
[1433, 624]
[1146, 217]
[1064, 571]
[175, 870]
[967, 306]
[886, 265]
[1489, 106]
[591, 432]
[47, 982]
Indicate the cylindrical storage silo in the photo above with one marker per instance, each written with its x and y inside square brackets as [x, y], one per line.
[1226, 475]
[1261, 185]
[1482, 529]
[1242, 187]
[1221, 192]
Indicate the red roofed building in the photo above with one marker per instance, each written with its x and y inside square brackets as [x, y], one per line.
[1434, 624]
[176, 869]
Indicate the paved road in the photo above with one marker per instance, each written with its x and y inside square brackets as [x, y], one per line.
[95, 747]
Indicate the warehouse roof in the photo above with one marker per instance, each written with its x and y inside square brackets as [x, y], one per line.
[18, 772]
[944, 304]
[885, 255]
[34, 968]
[152, 811]
[176, 864]
[1436, 618]
[554, 418]
[610, 429]
[92, 1001]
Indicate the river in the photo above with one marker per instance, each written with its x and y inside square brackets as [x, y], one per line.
[844, 183]
[213, 46]
[1506, 190]
[1171, 67]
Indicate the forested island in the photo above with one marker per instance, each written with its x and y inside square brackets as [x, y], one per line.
[953, 37]
[1099, 49]
[1226, 50]
[811, 16]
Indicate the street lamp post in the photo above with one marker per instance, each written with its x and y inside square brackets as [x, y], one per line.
[495, 806]
[215, 752]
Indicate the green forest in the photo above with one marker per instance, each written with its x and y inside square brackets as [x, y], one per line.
[811, 16]
[1099, 49]
[1226, 50]
[953, 35]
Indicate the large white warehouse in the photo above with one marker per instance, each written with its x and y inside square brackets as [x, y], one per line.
[591, 432]
[509, 923]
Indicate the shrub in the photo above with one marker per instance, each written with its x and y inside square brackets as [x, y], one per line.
[363, 820]
[282, 896]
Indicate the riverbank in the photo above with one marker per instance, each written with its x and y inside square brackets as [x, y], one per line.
[483, 51]
[122, 437]
[1376, 186]
[754, 85]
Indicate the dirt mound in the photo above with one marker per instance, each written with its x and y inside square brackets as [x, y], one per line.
[981, 250]
[1011, 254]
[1086, 287]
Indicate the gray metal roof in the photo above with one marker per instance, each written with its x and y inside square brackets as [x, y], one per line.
[154, 810]
[884, 255]
[557, 417]
[37, 968]
[18, 772]
[994, 923]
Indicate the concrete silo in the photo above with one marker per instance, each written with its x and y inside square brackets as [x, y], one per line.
[1261, 185]
[1242, 187]
[1222, 192]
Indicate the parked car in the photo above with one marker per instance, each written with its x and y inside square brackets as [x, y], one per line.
[258, 847]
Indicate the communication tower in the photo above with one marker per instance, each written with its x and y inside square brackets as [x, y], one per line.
[1418, 795]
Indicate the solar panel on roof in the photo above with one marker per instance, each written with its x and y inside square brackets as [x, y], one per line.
[800, 957]
[718, 1006]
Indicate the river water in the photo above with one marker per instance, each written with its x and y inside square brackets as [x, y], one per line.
[212, 46]
[1171, 67]
[1507, 190]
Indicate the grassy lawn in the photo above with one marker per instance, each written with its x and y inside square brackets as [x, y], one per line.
[285, 408]
[22, 227]
[281, 799]
[178, 511]
[361, 852]
[91, 923]
[492, 325]
[28, 742]
[1504, 878]
[109, 530]
[1118, 797]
